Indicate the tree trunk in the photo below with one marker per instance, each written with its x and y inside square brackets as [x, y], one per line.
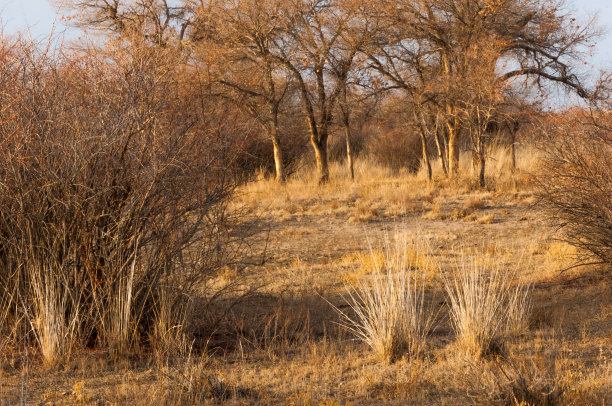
[349, 154]
[346, 120]
[276, 144]
[426, 155]
[453, 150]
[320, 148]
[481, 169]
[441, 154]
[278, 160]
[475, 161]
[478, 158]
[451, 125]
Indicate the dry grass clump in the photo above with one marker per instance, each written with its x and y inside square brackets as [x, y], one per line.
[365, 212]
[485, 303]
[486, 219]
[510, 382]
[475, 203]
[390, 312]
[437, 210]
[540, 379]
[458, 214]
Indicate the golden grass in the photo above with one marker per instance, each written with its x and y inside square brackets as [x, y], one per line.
[284, 345]
[486, 302]
[389, 311]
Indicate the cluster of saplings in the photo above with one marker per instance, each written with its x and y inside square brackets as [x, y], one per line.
[118, 157]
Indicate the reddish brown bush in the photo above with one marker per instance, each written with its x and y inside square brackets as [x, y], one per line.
[396, 148]
[575, 181]
[114, 179]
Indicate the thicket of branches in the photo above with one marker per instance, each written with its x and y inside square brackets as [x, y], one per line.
[115, 177]
[575, 181]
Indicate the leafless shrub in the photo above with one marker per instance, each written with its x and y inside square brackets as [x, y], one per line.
[114, 179]
[337, 143]
[258, 152]
[395, 149]
[575, 181]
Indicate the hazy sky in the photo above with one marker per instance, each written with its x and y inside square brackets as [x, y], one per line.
[39, 16]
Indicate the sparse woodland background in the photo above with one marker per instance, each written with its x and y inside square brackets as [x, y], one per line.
[124, 156]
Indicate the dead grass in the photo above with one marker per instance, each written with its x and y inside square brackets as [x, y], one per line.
[486, 302]
[285, 345]
[389, 312]
[475, 203]
[486, 219]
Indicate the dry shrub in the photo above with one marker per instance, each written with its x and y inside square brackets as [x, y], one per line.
[475, 203]
[337, 143]
[390, 311]
[510, 382]
[486, 303]
[575, 181]
[114, 179]
[396, 149]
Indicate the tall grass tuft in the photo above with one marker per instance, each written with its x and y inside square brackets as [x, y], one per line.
[55, 316]
[390, 311]
[486, 303]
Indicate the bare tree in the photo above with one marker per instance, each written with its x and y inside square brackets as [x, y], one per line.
[405, 65]
[425, 48]
[538, 41]
[239, 57]
[479, 99]
[316, 51]
[160, 21]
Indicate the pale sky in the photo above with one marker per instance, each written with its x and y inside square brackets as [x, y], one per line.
[39, 17]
